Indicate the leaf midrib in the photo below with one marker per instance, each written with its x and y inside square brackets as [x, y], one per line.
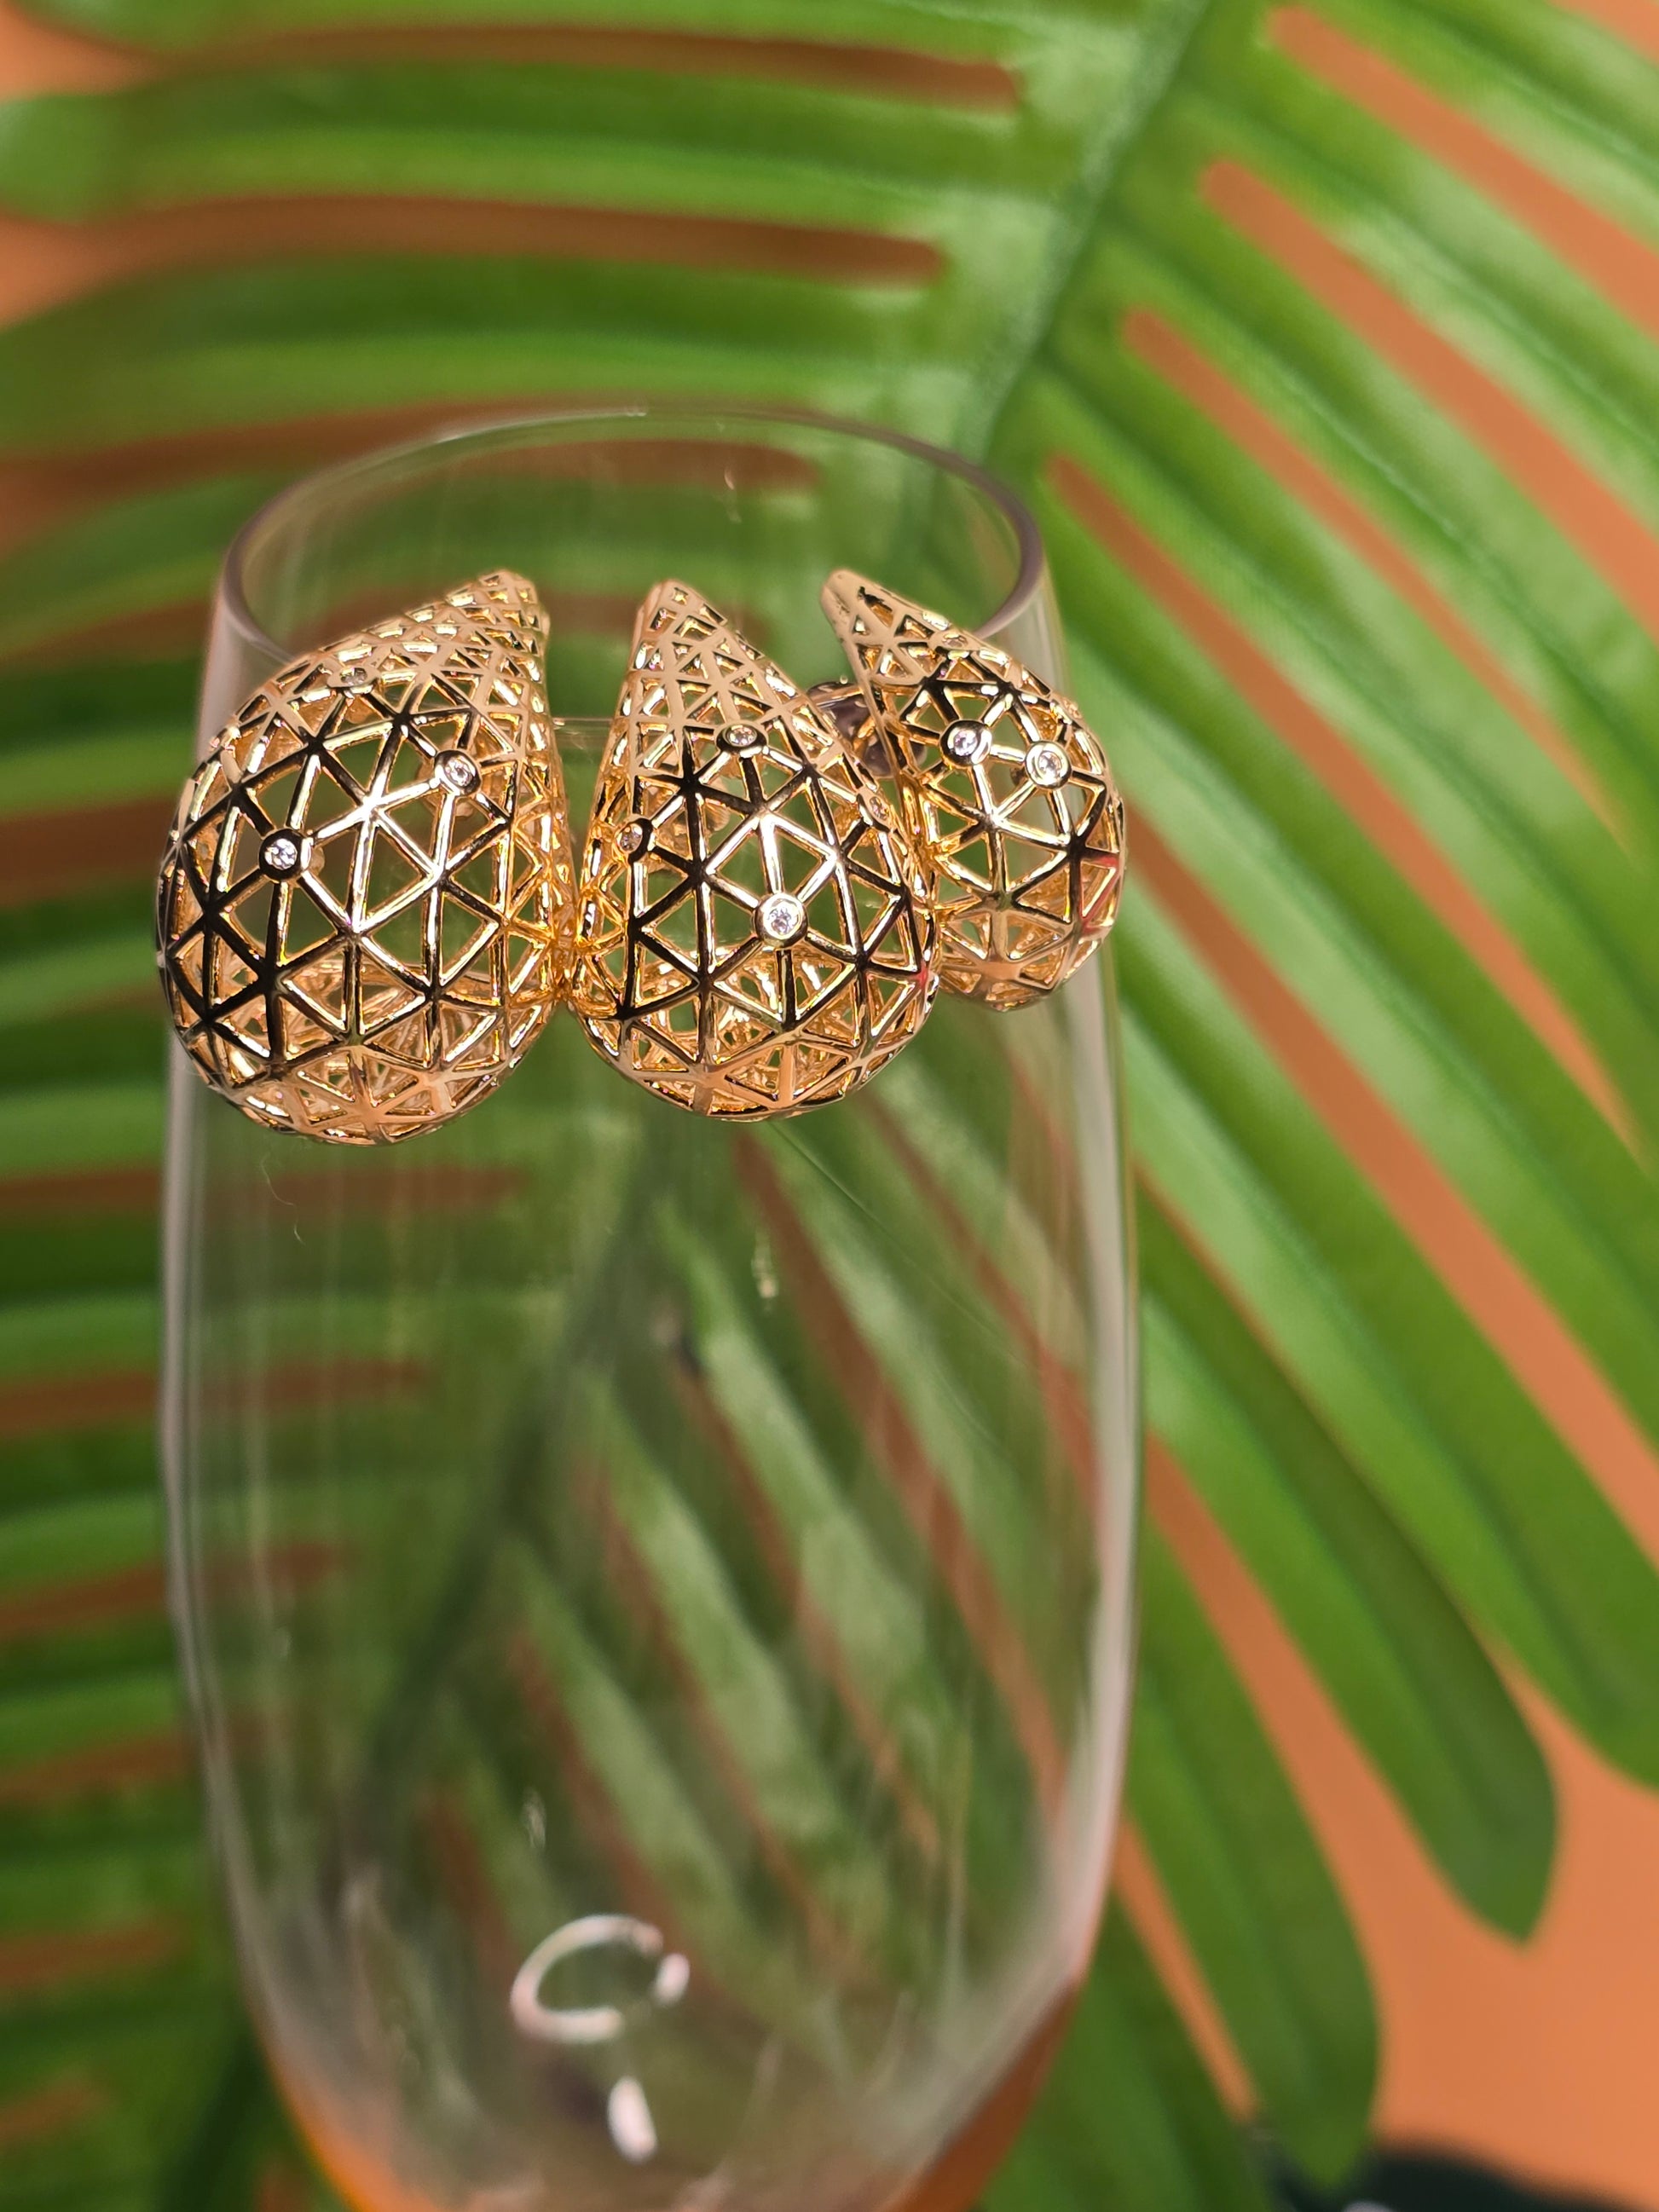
[1028, 337]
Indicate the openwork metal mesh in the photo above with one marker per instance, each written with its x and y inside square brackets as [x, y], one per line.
[754, 935]
[1006, 793]
[364, 913]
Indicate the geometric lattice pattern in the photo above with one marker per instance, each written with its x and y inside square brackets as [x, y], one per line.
[753, 935]
[1007, 794]
[365, 911]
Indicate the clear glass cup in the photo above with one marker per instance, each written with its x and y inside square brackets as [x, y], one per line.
[655, 1594]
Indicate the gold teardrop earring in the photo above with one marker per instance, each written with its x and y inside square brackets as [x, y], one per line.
[365, 911]
[753, 932]
[1006, 789]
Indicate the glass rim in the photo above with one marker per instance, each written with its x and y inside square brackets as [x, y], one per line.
[232, 594]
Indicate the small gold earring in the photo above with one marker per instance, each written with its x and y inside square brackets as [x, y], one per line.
[365, 911]
[1007, 792]
[753, 933]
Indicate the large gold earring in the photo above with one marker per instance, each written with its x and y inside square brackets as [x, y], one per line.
[1006, 793]
[365, 910]
[753, 933]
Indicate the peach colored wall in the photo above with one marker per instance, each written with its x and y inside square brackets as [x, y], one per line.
[1540, 2057]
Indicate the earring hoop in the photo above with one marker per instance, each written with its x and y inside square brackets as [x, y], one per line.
[364, 913]
[754, 935]
[1007, 792]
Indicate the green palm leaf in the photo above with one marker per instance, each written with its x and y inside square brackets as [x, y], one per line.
[1322, 343]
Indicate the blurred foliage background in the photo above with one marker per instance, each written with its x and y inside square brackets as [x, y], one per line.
[1322, 341]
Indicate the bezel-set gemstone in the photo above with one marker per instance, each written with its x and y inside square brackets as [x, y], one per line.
[459, 771]
[1048, 765]
[967, 743]
[780, 917]
[281, 853]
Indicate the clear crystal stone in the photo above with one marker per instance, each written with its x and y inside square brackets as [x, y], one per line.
[634, 837]
[280, 853]
[780, 917]
[742, 736]
[458, 771]
[967, 742]
[1048, 765]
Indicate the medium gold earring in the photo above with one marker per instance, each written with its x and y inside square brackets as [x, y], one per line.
[1007, 792]
[753, 933]
[365, 911]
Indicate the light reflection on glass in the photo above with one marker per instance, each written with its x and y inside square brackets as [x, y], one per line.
[602, 2023]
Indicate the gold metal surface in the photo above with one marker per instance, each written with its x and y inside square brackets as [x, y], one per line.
[754, 935]
[1007, 792]
[365, 909]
